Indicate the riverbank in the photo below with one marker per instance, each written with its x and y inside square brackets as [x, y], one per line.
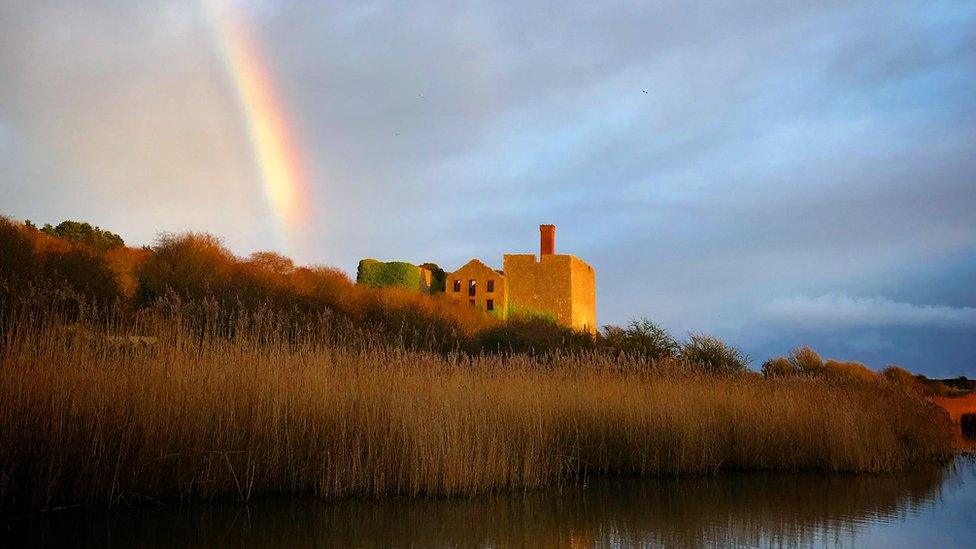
[180, 416]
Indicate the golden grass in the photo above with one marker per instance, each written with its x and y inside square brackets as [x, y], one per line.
[96, 419]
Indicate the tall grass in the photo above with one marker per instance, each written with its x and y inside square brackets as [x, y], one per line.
[159, 407]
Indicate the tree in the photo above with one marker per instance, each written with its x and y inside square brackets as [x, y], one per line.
[76, 232]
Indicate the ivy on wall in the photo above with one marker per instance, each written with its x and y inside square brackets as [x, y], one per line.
[382, 274]
[438, 277]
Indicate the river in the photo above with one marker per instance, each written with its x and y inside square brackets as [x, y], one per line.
[931, 507]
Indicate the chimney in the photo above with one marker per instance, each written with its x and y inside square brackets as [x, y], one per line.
[547, 242]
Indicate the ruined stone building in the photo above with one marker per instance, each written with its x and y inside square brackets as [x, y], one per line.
[562, 286]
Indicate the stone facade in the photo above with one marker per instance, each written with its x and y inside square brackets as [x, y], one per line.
[480, 286]
[426, 279]
[560, 285]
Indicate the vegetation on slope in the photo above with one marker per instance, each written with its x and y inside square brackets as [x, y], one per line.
[196, 410]
[182, 372]
[383, 274]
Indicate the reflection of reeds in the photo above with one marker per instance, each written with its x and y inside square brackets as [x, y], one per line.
[190, 411]
[751, 509]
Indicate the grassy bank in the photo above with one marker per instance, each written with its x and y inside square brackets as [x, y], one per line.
[93, 416]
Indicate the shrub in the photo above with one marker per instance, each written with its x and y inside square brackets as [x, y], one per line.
[124, 264]
[714, 354]
[778, 366]
[849, 370]
[326, 285]
[533, 335]
[380, 274]
[438, 278]
[16, 253]
[84, 272]
[271, 262]
[898, 376]
[641, 338]
[935, 388]
[190, 264]
[806, 360]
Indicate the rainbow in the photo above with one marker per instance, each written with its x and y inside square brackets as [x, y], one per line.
[277, 157]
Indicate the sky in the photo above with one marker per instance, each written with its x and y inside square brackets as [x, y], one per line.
[773, 173]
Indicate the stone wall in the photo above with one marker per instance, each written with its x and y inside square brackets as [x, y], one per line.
[562, 285]
[481, 274]
[584, 295]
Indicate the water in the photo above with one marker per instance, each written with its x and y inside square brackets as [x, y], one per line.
[934, 507]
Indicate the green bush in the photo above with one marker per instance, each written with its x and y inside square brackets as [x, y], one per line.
[641, 338]
[438, 278]
[384, 274]
[535, 335]
[714, 354]
[77, 232]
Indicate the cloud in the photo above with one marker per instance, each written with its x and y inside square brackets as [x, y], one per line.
[842, 311]
[781, 149]
[5, 136]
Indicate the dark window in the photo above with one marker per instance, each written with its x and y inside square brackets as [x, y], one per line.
[490, 304]
[472, 287]
[490, 287]
[471, 302]
[457, 285]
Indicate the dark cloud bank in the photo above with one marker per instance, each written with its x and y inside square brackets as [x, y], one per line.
[794, 173]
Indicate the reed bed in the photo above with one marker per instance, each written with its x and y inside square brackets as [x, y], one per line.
[93, 414]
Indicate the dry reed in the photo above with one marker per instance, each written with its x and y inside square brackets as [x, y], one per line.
[102, 417]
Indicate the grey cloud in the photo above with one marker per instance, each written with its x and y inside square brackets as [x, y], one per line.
[783, 148]
[841, 311]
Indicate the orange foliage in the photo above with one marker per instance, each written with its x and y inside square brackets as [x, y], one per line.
[198, 265]
[896, 375]
[851, 370]
[44, 244]
[29, 257]
[778, 366]
[956, 407]
[125, 264]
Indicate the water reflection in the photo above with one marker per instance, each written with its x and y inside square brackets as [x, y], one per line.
[752, 509]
